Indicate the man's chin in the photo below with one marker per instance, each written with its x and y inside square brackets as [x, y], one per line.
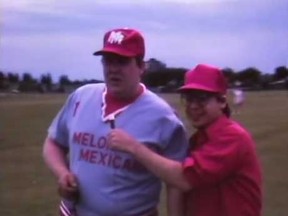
[198, 124]
[114, 90]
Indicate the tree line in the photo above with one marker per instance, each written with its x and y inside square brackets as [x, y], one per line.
[157, 76]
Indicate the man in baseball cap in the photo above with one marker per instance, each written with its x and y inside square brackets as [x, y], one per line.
[101, 181]
[124, 42]
[221, 173]
[121, 49]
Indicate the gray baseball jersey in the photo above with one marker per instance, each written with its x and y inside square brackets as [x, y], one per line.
[113, 182]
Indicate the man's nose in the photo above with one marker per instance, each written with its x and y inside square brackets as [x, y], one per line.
[193, 105]
[113, 68]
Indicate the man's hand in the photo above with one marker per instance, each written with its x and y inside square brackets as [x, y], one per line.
[68, 186]
[120, 140]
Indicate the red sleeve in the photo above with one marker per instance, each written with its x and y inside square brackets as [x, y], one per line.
[215, 160]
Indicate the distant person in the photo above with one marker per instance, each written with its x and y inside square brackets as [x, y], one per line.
[238, 100]
[93, 179]
[221, 173]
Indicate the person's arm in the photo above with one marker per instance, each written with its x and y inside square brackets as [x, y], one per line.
[168, 170]
[175, 201]
[55, 157]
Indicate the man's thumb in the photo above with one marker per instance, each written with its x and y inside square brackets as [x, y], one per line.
[73, 181]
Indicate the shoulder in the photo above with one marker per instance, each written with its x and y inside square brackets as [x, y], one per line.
[85, 92]
[233, 133]
[90, 88]
[156, 102]
[158, 108]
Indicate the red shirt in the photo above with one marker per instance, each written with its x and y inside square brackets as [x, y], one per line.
[224, 171]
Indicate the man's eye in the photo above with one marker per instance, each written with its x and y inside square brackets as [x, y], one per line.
[123, 60]
[203, 97]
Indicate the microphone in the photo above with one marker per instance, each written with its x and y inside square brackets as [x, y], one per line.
[112, 121]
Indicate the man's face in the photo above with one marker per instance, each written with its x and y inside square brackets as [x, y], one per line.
[203, 108]
[122, 74]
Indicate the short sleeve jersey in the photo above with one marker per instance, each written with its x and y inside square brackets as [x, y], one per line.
[113, 182]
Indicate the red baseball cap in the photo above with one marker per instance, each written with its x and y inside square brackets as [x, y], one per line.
[124, 42]
[206, 78]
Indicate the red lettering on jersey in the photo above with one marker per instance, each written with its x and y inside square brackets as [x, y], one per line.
[92, 141]
[85, 139]
[110, 160]
[84, 154]
[93, 156]
[138, 167]
[102, 142]
[110, 157]
[88, 155]
[76, 108]
[116, 161]
[77, 137]
[102, 158]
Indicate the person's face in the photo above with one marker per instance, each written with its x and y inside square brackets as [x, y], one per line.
[122, 74]
[202, 108]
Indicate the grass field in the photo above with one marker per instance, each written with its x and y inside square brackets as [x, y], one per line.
[27, 188]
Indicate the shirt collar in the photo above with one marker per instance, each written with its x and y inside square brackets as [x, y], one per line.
[212, 129]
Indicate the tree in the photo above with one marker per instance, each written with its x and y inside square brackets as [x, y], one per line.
[249, 77]
[13, 77]
[169, 77]
[28, 84]
[230, 75]
[266, 79]
[154, 65]
[3, 81]
[46, 80]
[27, 78]
[280, 73]
[64, 80]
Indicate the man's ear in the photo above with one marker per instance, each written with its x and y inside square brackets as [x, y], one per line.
[142, 67]
[222, 99]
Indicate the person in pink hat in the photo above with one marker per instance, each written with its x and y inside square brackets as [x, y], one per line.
[93, 179]
[221, 174]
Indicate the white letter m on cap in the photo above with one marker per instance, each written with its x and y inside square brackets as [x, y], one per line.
[115, 37]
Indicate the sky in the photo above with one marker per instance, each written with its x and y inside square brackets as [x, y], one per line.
[59, 37]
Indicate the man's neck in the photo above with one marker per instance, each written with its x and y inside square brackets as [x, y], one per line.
[128, 96]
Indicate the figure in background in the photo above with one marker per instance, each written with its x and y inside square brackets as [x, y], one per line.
[238, 99]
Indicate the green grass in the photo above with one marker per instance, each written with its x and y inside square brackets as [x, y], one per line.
[28, 188]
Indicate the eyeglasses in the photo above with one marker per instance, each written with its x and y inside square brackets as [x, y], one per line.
[198, 97]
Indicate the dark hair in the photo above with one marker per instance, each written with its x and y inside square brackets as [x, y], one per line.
[226, 110]
[139, 60]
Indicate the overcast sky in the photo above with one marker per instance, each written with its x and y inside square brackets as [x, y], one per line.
[59, 37]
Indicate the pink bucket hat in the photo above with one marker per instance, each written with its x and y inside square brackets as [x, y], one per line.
[124, 42]
[206, 78]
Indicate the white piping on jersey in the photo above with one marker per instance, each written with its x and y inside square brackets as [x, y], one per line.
[64, 209]
[112, 115]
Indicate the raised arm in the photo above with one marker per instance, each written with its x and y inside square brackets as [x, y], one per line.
[168, 170]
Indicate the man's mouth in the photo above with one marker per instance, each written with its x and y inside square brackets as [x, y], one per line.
[196, 116]
[115, 80]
